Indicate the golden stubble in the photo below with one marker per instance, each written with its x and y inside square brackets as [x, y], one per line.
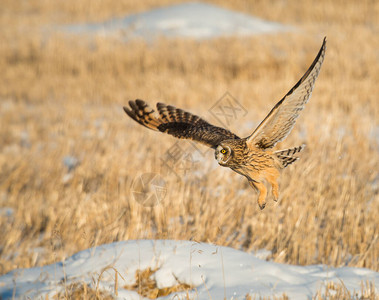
[63, 96]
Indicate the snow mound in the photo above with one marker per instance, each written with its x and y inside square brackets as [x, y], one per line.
[190, 20]
[214, 271]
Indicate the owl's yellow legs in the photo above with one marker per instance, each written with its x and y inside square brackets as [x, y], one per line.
[262, 192]
[271, 178]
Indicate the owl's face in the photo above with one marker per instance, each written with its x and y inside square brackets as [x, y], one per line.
[223, 154]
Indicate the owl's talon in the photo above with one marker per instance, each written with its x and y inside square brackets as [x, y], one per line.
[262, 206]
[276, 197]
[262, 203]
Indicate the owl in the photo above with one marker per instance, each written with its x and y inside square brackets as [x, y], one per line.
[252, 156]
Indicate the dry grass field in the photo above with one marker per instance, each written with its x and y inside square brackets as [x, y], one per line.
[62, 96]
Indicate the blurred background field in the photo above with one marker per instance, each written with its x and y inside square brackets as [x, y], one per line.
[69, 154]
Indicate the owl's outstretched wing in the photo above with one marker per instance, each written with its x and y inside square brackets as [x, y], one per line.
[281, 119]
[178, 123]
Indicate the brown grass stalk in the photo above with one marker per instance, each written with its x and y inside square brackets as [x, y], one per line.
[62, 96]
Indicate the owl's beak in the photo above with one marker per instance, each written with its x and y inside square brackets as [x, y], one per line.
[218, 155]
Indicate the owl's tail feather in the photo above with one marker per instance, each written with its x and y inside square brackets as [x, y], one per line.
[286, 157]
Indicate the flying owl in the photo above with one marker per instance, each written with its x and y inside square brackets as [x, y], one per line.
[251, 156]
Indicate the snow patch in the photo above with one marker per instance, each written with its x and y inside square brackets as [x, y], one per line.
[189, 20]
[208, 267]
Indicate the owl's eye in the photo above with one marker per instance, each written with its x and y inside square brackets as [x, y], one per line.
[223, 151]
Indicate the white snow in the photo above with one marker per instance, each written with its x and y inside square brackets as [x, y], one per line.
[215, 271]
[190, 20]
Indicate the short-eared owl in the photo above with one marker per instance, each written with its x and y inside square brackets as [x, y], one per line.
[252, 156]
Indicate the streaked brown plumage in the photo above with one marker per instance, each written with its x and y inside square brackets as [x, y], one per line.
[252, 156]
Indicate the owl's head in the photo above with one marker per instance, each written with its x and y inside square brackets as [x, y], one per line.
[223, 154]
